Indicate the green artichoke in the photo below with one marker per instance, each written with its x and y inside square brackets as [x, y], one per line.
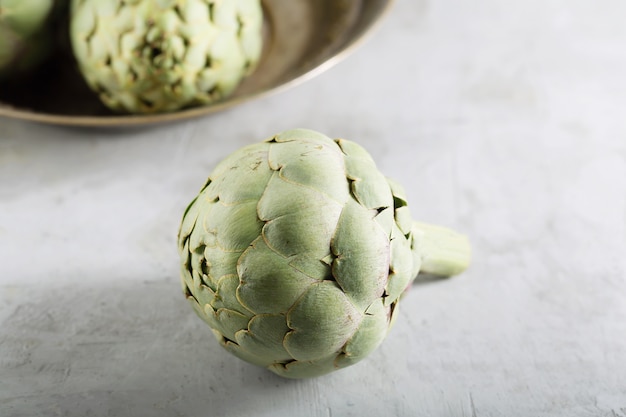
[24, 41]
[297, 250]
[148, 56]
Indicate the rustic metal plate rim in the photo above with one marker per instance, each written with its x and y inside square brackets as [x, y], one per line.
[6, 110]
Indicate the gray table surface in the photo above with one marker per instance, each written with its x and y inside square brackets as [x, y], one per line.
[505, 120]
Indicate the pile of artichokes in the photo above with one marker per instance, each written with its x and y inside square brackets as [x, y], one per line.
[297, 251]
[141, 56]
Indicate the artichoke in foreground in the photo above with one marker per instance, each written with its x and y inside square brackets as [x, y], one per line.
[148, 56]
[24, 38]
[297, 250]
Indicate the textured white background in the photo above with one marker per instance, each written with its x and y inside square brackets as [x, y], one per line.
[504, 119]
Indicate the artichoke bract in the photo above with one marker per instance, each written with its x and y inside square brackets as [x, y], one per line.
[297, 250]
[24, 42]
[148, 56]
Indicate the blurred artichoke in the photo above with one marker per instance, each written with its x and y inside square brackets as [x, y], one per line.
[297, 250]
[24, 40]
[147, 56]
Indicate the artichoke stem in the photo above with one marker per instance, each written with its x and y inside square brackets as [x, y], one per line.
[444, 252]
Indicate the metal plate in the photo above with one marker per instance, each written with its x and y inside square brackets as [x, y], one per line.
[302, 39]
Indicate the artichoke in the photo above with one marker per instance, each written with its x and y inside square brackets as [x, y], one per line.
[24, 41]
[147, 56]
[297, 250]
